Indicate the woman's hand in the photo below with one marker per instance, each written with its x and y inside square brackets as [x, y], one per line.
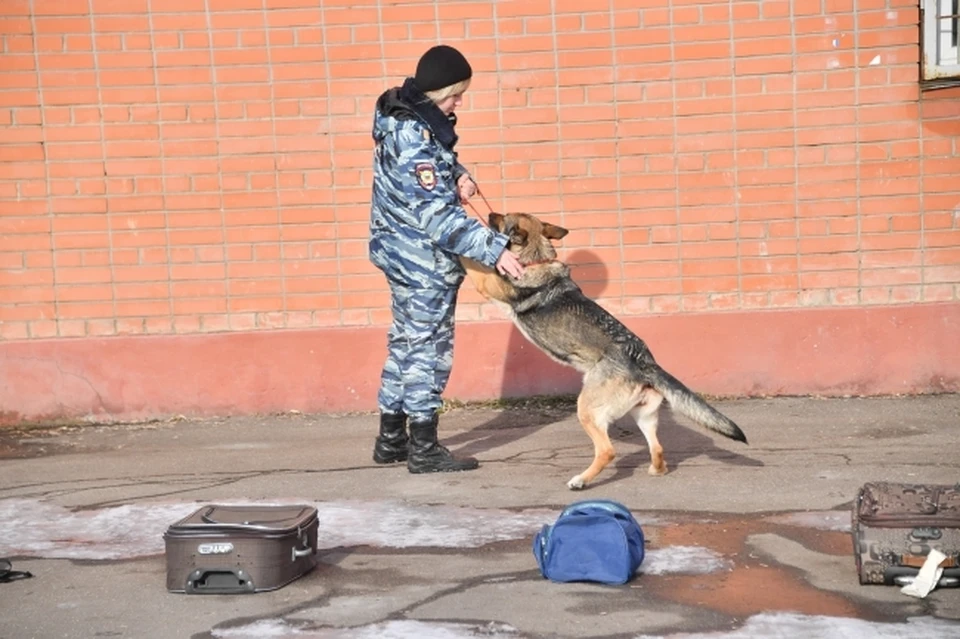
[508, 264]
[467, 187]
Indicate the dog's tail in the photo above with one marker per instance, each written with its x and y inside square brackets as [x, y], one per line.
[688, 403]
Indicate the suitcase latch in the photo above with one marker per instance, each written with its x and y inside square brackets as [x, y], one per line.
[926, 533]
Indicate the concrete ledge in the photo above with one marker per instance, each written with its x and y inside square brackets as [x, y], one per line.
[832, 352]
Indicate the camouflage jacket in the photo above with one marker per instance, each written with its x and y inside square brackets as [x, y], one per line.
[417, 225]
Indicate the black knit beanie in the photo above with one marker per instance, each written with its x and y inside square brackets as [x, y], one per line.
[440, 67]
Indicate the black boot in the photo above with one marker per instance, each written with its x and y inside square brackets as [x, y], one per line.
[391, 444]
[428, 456]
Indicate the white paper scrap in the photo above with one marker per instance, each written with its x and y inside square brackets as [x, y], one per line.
[928, 577]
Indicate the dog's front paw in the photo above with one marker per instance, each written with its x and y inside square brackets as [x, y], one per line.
[576, 483]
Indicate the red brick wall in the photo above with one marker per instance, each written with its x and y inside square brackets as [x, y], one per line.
[185, 166]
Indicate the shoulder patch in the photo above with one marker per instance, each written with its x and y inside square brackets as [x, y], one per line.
[426, 175]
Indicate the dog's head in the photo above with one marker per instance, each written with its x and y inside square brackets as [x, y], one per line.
[529, 237]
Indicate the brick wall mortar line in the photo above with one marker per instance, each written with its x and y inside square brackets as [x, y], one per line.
[500, 126]
[383, 73]
[611, 11]
[333, 156]
[676, 164]
[796, 155]
[556, 87]
[103, 155]
[276, 163]
[163, 165]
[923, 205]
[858, 157]
[46, 170]
[216, 129]
[736, 163]
[383, 44]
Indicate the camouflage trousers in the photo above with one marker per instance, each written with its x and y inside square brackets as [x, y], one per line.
[419, 351]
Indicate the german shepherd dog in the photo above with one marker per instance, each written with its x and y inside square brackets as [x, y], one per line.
[620, 375]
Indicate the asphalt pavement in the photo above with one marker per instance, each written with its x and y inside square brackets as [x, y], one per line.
[742, 541]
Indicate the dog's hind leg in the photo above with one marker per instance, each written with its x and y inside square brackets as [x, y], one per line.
[598, 406]
[646, 414]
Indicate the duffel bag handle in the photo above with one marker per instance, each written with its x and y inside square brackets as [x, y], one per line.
[613, 507]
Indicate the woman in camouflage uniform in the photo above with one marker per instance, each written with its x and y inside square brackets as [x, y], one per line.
[418, 228]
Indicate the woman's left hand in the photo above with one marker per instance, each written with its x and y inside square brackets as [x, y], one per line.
[508, 264]
[467, 187]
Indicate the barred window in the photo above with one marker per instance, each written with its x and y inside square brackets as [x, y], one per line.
[941, 63]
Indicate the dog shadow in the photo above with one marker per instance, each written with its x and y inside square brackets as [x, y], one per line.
[681, 443]
[527, 372]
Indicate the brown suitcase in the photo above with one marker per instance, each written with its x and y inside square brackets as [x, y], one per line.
[895, 526]
[240, 549]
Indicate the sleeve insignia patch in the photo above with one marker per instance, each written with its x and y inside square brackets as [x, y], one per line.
[426, 176]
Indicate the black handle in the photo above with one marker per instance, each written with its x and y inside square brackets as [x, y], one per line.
[219, 582]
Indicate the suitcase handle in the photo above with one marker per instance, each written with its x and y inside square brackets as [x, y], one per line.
[303, 552]
[264, 525]
[218, 582]
[943, 582]
[306, 551]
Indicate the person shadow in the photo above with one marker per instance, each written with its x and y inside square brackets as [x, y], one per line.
[538, 390]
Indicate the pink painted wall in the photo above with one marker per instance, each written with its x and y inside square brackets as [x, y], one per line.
[869, 351]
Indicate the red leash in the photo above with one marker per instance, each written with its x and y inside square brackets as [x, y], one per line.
[474, 209]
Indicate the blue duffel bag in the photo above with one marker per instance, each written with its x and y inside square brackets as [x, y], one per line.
[593, 540]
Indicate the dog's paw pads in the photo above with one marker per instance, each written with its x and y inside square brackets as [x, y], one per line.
[576, 483]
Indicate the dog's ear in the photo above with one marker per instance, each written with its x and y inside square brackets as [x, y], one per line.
[509, 227]
[518, 236]
[553, 232]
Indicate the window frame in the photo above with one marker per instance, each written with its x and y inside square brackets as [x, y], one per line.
[934, 73]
